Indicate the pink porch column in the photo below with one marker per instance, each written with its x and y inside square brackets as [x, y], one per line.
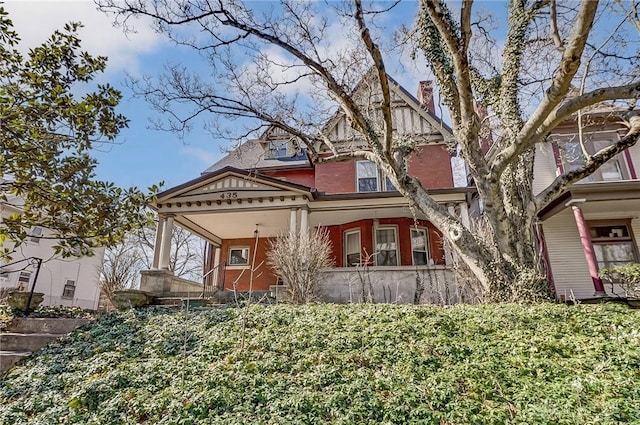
[587, 246]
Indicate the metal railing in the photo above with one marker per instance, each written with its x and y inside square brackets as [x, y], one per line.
[213, 280]
[38, 263]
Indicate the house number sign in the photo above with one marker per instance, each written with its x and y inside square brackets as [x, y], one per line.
[228, 195]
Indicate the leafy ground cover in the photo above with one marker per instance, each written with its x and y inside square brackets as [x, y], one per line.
[358, 364]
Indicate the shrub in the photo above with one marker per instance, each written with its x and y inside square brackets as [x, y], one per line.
[627, 276]
[298, 259]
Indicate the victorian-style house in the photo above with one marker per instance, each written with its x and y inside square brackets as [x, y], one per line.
[269, 186]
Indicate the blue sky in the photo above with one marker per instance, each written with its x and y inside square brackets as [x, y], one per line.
[142, 156]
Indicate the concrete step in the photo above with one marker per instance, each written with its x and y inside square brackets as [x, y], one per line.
[9, 358]
[11, 341]
[29, 325]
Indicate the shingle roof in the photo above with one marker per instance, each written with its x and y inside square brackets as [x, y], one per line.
[251, 155]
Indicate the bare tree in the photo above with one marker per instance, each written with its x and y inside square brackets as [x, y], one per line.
[119, 269]
[185, 258]
[123, 263]
[298, 259]
[270, 61]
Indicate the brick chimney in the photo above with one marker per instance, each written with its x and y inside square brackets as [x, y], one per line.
[425, 96]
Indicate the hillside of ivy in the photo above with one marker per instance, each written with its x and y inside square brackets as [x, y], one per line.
[338, 364]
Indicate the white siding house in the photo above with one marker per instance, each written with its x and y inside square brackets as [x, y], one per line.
[64, 281]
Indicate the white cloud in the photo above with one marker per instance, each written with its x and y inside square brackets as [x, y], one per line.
[36, 20]
[207, 158]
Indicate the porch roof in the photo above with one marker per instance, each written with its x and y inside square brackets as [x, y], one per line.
[232, 203]
[207, 178]
[597, 197]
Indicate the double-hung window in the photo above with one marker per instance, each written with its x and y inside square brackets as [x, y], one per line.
[69, 289]
[612, 169]
[238, 256]
[36, 234]
[352, 248]
[386, 246]
[574, 155]
[23, 280]
[370, 179]
[419, 247]
[367, 176]
[613, 243]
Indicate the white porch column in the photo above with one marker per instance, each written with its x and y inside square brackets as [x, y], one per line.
[216, 264]
[292, 221]
[304, 221]
[448, 255]
[157, 245]
[166, 243]
[464, 214]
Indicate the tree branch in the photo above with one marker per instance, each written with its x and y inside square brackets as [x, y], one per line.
[561, 82]
[378, 63]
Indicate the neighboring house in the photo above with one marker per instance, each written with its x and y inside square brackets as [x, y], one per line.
[64, 281]
[268, 187]
[596, 222]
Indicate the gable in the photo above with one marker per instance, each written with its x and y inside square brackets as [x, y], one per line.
[409, 117]
[231, 185]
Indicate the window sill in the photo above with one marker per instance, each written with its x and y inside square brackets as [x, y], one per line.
[238, 267]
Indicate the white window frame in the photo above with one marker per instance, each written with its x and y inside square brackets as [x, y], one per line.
[358, 177]
[591, 140]
[64, 289]
[383, 184]
[23, 281]
[345, 244]
[426, 250]
[396, 242]
[239, 248]
[36, 234]
[613, 239]
[276, 147]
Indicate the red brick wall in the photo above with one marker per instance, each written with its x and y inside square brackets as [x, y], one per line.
[432, 165]
[404, 225]
[263, 276]
[305, 177]
[336, 177]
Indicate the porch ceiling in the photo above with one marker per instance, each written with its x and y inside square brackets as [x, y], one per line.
[611, 209]
[228, 225]
[270, 223]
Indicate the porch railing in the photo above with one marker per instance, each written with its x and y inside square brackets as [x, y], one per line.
[214, 280]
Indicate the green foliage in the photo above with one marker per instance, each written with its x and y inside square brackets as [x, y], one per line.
[358, 364]
[628, 276]
[47, 132]
[6, 315]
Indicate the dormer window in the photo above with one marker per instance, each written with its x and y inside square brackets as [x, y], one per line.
[278, 149]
